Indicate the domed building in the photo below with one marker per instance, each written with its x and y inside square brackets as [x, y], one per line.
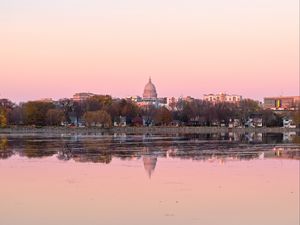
[150, 91]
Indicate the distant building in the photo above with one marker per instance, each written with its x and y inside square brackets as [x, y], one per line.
[135, 98]
[222, 97]
[254, 120]
[282, 103]
[188, 99]
[46, 100]
[120, 121]
[288, 123]
[82, 96]
[172, 103]
[149, 96]
[150, 91]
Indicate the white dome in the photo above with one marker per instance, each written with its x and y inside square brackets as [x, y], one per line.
[150, 91]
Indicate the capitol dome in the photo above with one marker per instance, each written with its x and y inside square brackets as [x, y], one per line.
[150, 91]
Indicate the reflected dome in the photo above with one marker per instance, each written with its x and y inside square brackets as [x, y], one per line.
[149, 164]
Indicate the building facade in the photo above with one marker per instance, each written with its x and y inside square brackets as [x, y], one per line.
[149, 96]
[82, 96]
[222, 97]
[282, 103]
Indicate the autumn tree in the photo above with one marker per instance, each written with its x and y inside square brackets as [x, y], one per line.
[15, 116]
[163, 116]
[296, 117]
[271, 119]
[97, 102]
[97, 118]
[124, 108]
[55, 117]
[67, 106]
[5, 107]
[137, 121]
[3, 118]
[35, 113]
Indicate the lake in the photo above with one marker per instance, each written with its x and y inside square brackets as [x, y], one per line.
[208, 179]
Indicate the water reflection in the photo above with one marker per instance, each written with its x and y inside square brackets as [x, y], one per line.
[4, 151]
[204, 147]
[149, 164]
[105, 179]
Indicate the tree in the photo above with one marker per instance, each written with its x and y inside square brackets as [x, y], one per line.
[296, 117]
[5, 107]
[124, 108]
[97, 102]
[55, 117]
[248, 107]
[3, 118]
[163, 116]
[67, 105]
[77, 111]
[15, 116]
[271, 119]
[98, 118]
[137, 121]
[35, 113]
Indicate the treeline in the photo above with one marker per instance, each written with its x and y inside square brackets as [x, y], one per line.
[102, 110]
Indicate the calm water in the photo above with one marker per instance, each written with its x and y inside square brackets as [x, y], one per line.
[192, 179]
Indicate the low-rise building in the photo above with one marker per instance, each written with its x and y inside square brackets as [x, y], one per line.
[46, 100]
[222, 97]
[135, 98]
[82, 96]
[254, 120]
[288, 123]
[289, 103]
[120, 121]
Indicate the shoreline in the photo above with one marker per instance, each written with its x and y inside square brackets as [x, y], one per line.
[143, 130]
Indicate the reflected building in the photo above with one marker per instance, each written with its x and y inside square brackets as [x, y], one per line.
[149, 164]
[288, 136]
[254, 137]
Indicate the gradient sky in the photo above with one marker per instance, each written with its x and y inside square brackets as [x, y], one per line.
[59, 47]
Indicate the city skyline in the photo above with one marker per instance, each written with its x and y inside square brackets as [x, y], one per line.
[70, 95]
[57, 48]
[149, 112]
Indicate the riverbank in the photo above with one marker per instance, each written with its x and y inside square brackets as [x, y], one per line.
[143, 130]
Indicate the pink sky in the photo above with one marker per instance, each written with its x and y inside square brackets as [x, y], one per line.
[192, 48]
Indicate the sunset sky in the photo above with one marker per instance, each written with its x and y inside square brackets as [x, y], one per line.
[52, 49]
